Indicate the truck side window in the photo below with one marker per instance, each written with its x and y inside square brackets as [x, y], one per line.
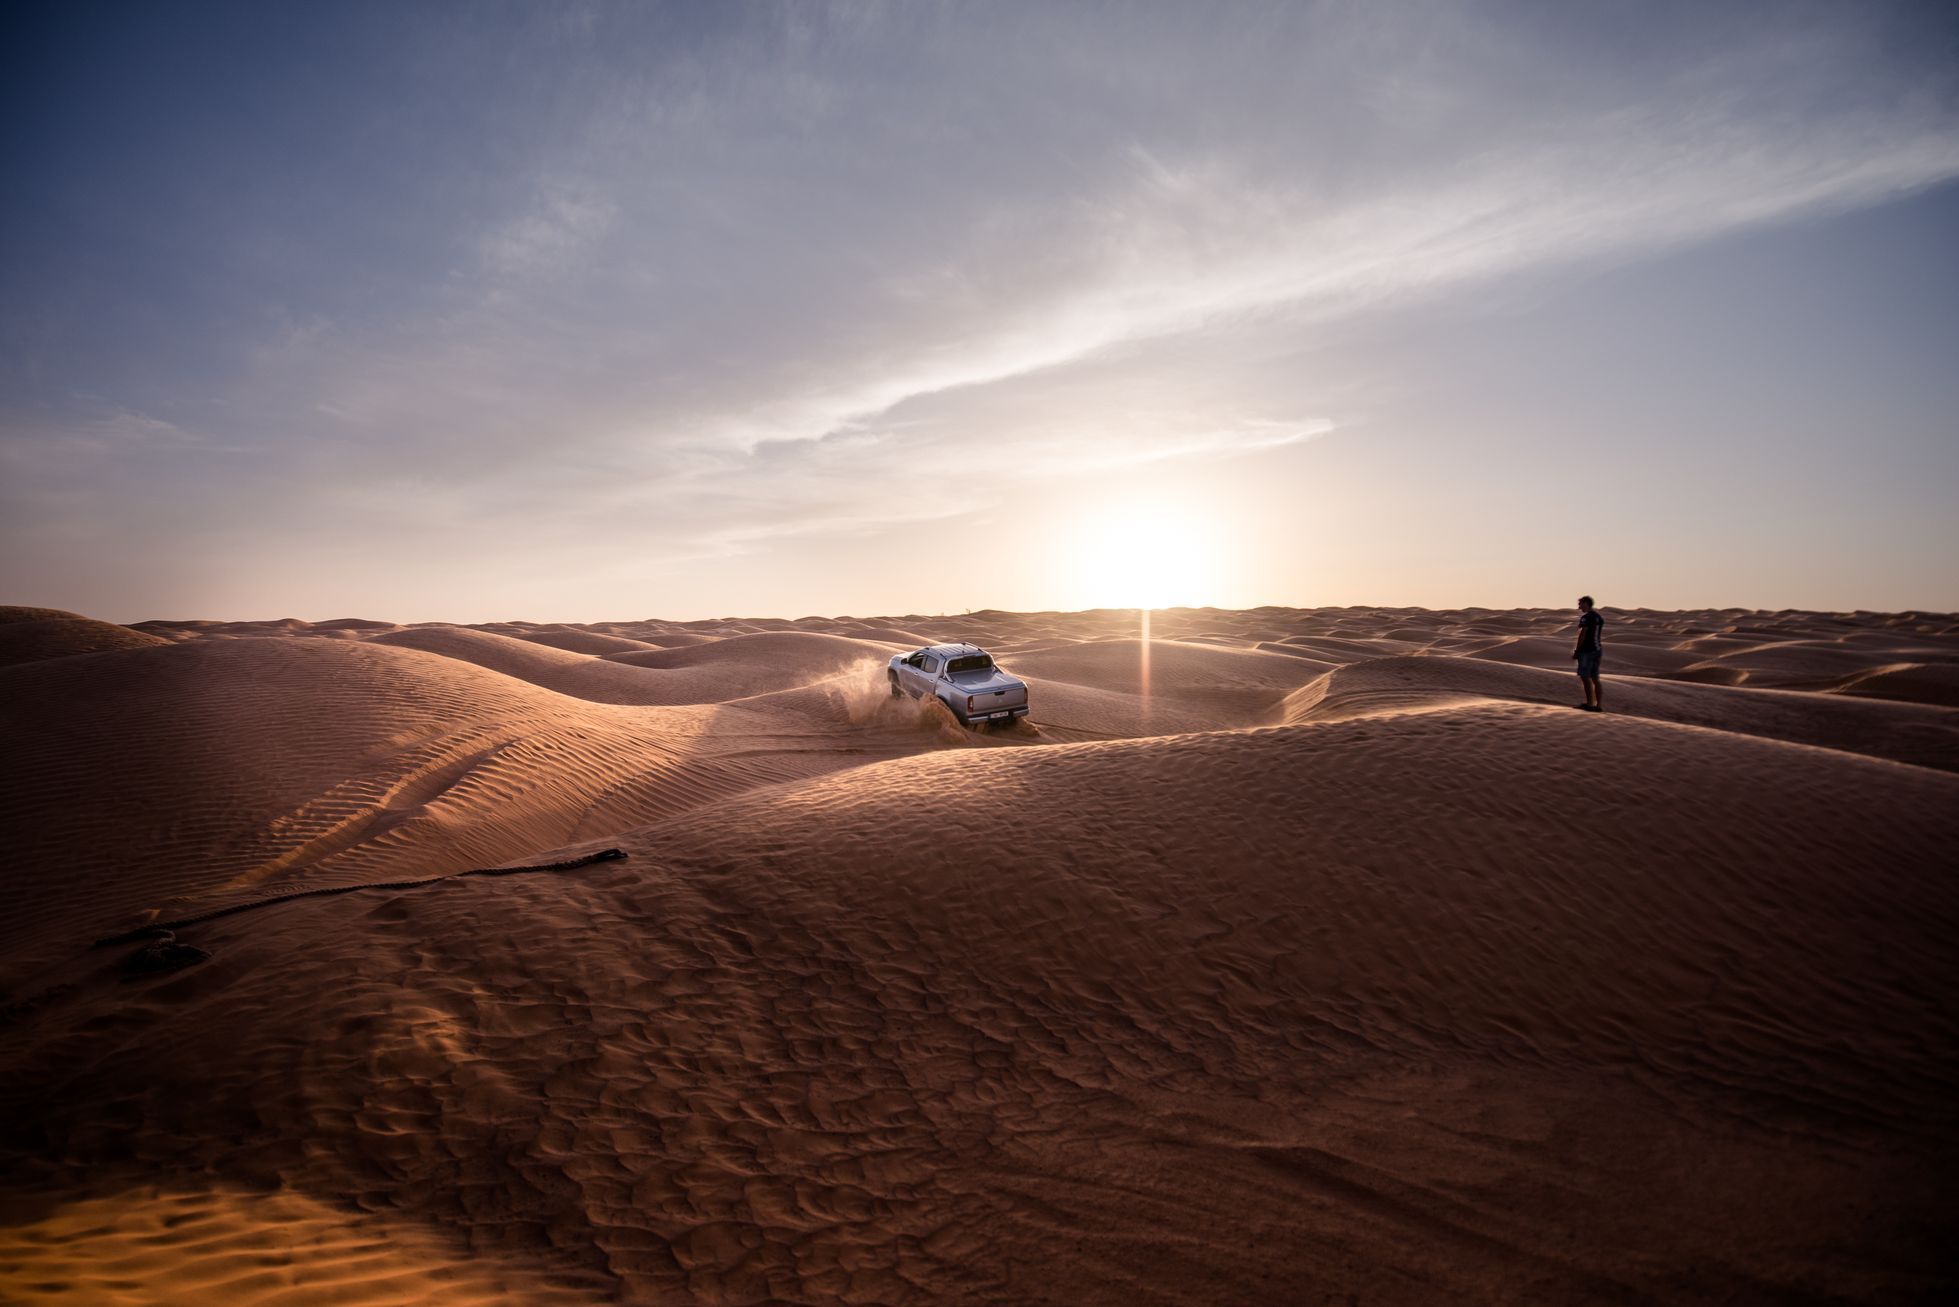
[931, 665]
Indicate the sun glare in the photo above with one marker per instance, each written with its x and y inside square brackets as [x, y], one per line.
[1142, 553]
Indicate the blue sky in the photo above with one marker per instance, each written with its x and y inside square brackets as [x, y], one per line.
[578, 312]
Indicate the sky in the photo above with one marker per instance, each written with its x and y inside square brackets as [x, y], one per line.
[583, 312]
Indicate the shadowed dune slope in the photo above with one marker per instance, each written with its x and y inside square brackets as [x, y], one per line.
[1628, 657]
[742, 666]
[1389, 875]
[888, 635]
[671, 639]
[27, 613]
[141, 777]
[1258, 1016]
[1934, 683]
[804, 651]
[578, 675]
[585, 642]
[186, 776]
[32, 634]
[1915, 733]
[1794, 664]
[717, 671]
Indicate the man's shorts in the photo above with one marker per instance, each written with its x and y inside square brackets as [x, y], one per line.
[1588, 664]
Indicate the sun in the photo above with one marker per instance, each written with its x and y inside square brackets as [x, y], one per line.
[1142, 552]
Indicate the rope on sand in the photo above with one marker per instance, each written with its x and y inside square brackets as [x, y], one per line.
[159, 927]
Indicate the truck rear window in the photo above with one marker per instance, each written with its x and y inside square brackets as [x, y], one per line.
[969, 663]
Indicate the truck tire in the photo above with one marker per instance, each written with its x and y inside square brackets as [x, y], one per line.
[893, 678]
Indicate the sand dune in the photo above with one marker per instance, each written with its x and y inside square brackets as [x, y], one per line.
[1630, 656]
[579, 676]
[1201, 684]
[217, 770]
[32, 634]
[1936, 683]
[1928, 736]
[1297, 956]
[585, 642]
[799, 650]
[215, 767]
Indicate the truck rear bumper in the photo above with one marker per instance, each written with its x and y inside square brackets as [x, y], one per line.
[996, 715]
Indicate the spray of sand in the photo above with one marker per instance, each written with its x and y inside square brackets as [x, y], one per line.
[864, 692]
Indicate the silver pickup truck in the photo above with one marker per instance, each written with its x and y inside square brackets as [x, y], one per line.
[964, 678]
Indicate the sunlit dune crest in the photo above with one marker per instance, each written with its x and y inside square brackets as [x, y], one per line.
[1280, 955]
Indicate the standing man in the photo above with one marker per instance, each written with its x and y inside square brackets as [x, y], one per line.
[1588, 650]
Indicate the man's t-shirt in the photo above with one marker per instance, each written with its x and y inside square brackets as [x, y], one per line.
[1591, 632]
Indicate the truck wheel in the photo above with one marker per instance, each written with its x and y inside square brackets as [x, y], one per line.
[893, 678]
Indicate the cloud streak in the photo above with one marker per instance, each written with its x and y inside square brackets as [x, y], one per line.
[773, 269]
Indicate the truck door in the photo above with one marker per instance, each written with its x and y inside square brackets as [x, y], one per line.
[911, 676]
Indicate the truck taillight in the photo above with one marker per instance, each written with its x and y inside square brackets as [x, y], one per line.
[969, 703]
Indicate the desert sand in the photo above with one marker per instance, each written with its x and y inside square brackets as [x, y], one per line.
[1289, 956]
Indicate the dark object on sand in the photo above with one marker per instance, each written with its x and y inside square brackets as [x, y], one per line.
[569, 864]
[163, 954]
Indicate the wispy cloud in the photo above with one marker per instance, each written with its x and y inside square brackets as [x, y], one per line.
[771, 257]
[549, 235]
[774, 273]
